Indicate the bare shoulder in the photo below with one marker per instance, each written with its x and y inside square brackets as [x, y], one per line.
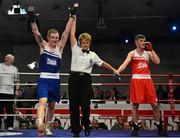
[42, 46]
[131, 53]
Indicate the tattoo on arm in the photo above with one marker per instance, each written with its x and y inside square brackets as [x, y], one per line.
[40, 39]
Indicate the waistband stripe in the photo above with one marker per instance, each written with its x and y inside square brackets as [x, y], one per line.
[49, 75]
[141, 76]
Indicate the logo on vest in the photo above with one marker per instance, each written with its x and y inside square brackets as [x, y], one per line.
[142, 65]
[51, 62]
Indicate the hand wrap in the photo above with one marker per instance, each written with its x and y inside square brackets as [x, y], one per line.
[31, 16]
[117, 78]
[72, 10]
[148, 47]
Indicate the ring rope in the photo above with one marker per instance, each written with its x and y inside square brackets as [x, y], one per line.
[99, 84]
[104, 75]
[93, 100]
[34, 114]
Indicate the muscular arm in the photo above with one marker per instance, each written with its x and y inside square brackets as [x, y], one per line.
[154, 57]
[126, 62]
[109, 67]
[65, 35]
[41, 42]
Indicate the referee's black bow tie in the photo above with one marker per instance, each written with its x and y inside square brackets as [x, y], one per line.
[85, 51]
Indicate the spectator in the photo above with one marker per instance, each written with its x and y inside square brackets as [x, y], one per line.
[119, 124]
[107, 94]
[143, 125]
[177, 93]
[8, 76]
[98, 125]
[160, 93]
[29, 92]
[23, 125]
[126, 126]
[116, 93]
[57, 124]
[64, 95]
[96, 93]
[112, 95]
[102, 126]
[94, 124]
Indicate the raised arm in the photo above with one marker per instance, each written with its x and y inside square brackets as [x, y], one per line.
[73, 33]
[126, 62]
[153, 56]
[66, 32]
[41, 42]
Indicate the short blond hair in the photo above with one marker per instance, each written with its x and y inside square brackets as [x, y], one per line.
[85, 36]
[52, 31]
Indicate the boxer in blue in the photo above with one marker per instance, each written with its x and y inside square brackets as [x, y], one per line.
[49, 66]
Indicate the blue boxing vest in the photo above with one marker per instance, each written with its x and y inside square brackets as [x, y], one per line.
[50, 62]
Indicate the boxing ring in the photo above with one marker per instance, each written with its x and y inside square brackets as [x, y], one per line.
[106, 111]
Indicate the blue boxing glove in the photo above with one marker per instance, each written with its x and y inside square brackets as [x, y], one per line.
[117, 78]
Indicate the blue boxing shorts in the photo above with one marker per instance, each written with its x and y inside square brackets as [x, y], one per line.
[49, 88]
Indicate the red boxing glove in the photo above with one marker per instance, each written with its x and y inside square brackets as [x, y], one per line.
[148, 46]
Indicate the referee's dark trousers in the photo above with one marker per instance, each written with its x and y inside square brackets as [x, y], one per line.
[79, 96]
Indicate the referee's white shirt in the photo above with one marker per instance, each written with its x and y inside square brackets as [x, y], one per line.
[8, 76]
[83, 62]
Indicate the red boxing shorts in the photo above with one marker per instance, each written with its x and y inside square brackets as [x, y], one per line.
[142, 91]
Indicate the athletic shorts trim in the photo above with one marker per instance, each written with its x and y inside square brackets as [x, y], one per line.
[141, 76]
[48, 75]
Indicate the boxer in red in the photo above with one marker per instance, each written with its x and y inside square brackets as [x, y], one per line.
[141, 88]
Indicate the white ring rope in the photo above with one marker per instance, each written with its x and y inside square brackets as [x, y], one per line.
[94, 84]
[62, 84]
[24, 115]
[107, 75]
[65, 74]
[19, 100]
[92, 100]
[21, 115]
[65, 115]
[61, 74]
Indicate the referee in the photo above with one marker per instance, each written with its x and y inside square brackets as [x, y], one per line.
[80, 79]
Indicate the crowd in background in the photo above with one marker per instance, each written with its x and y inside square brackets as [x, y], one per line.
[121, 123]
[30, 92]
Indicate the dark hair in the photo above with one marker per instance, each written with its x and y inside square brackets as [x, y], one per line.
[140, 36]
[56, 119]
